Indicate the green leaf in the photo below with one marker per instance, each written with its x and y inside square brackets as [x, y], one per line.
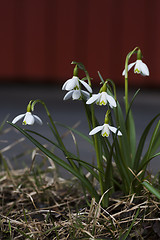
[130, 124]
[142, 143]
[127, 233]
[124, 143]
[88, 139]
[150, 148]
[151, 189]
[61, 162]
[100, 76]
[70, 155]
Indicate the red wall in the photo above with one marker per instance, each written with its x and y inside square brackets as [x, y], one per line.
[40, 38]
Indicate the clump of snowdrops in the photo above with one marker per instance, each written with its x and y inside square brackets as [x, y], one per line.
[114, 140]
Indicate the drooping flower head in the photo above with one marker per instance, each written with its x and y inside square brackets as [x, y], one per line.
[73, 86]
[28, 117]
[102, 98]
[139, 66]
[105, 128]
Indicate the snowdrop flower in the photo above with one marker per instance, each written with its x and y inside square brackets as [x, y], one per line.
[29, 119]
[139, 66]
[73, 84]
[76, 94]
[102, 99]
[105, 130]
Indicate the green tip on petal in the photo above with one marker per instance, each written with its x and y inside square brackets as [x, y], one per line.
[137, 71]
[102, 103]
[105, 135]
[24, 123]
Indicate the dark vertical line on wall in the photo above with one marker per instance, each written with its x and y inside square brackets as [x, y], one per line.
[116, 37]
[50, 38]
[19, 38]
[81, 33]
[152, 46]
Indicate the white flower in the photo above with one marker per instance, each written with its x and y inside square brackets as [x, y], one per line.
[102, 99]
[140, 68]
[76, 94]
[29, 119]
[73, 84]
[105, 130]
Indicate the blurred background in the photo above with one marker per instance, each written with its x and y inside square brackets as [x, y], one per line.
[40, 38]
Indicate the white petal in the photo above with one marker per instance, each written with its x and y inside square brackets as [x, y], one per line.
[76, 94]
[105, 131]
[64, 85]
[103, 99]
[111, 101]
[86, 86]
[95, 130]
[72, 83]
[28, 119]
[144, 69]
[137, 68]
[85, 93]
[94, 98]
[114, 130]
[68, 95]
[38, 120]
[16, 119]
[129, 67]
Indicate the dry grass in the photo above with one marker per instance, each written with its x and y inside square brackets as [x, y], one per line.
[35, 205]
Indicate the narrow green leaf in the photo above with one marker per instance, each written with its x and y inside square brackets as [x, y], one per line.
[127, 233]
[147, 157]
[131, 128]
[70, 155]
[124, 145]
[88, 139]
[130, 105]
[59, 161]
[151, 189]
[131, 131]
[100, 76]
[142, 143]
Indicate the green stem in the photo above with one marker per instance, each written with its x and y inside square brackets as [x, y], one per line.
[126, 77]
[96, 145]
[99, 164]
[56, 132]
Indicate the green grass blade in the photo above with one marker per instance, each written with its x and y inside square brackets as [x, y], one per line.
[151, 189]
[59, 161]
[124, 146]
[88, 139]
[142, 143]
[147, 156]
[131, 135]
[70, 155]
[130, 124]
[127, 233]
[130, 105]
[143, 164]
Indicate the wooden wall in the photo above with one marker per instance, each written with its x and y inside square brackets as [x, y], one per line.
[40, 38]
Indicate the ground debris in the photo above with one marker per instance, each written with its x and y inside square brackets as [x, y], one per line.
[39, 207]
